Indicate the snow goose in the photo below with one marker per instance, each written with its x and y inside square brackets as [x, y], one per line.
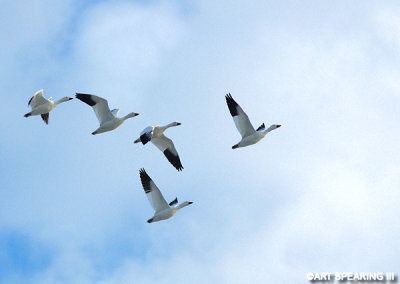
[41, 105]
[162, 209]
[244, 126]
[108, 120]
[155, 134]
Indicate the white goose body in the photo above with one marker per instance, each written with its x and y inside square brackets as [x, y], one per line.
[42, 106]
[108, 119]
[155, 134]
[249, 135]
[256, 136]
[163, 215]
[162, 209]
[109, 125]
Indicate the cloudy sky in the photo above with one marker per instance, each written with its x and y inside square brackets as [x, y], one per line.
[320, 194]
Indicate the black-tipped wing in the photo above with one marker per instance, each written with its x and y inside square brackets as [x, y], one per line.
[261, 127]
[173, 158]
[240, 118]
[232, 105]
[146, 180]
[167, 147]
[45, 117]
[87, 99]
[145, 135]
[173, 202]
[99, 105]
[37, 99]
[153, 194]
[144, 138]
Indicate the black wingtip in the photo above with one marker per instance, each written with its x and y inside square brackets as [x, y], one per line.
[174, 160]
[232, 104]
[262, 126]
[143, 173]
[145, 179]
[45, 117]
[173, 202]
[86, 98]
[144, 138]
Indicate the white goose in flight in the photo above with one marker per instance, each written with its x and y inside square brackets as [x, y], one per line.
[108, 120]
[244, 126]
[162, 209]
[155, 134]
[41, 105]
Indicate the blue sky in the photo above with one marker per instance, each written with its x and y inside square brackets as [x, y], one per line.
[318, 194]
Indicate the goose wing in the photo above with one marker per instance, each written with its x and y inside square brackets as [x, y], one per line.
[174, 202]
[145, 135]
[154, 195]
[167, 147]
[99, 105]
[240, 118]
[45, 117]
[37, 99]
[115, 111]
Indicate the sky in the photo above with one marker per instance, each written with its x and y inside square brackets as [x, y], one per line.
[319, 194]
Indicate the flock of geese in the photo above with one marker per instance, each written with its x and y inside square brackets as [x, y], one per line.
[109, 120]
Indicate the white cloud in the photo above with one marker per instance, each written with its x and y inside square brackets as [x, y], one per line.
[119, 46]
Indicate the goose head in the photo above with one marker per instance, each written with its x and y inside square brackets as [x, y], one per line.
[172, 124]
[184, 204]
[272, 127]
[130, 115]
[64, 99]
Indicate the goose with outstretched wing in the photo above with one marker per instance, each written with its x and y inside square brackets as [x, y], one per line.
[162, 210]
[249, 135]
[108, 119]
[155, 134]
[42, 106]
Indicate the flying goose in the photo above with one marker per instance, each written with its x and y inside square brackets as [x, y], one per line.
[41, 105]
[244, 126]
[162, 209]
[155, 134]
[108, 120]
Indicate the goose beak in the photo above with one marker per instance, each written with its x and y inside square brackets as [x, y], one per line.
[190, 202]
[136, 114]
[278, 126]
[70, 98]
[178, 123]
